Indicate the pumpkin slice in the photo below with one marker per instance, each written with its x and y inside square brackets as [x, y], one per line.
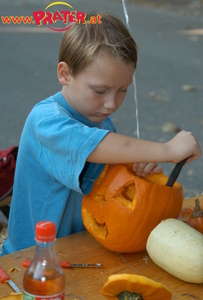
[13, 296]
[134, 287]
[193, 217]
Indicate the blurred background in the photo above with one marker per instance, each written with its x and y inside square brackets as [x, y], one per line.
[169, 75]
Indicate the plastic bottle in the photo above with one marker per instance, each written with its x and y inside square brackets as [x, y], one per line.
[44, 278]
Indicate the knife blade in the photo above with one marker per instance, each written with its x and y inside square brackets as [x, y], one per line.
[175, 172]
[84, 265]
[66, 264]
[5, 278]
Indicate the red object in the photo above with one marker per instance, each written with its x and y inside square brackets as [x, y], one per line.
[5, 278]
[66, 264]
[8, 159]
[63, 264]
[3, 275]
[45, 231]
[44, 280]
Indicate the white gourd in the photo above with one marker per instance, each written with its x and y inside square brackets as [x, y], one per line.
[177, 248]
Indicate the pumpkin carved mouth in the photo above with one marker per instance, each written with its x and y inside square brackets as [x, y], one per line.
[122, 208]
[100, 229]
[126, 197]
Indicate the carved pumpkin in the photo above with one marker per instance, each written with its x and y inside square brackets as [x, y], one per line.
[193, 217]
[122, 209]
[131, 286]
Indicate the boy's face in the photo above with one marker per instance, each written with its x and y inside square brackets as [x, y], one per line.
[99, 89]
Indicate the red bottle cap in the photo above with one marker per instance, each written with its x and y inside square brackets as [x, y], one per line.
[45, 231]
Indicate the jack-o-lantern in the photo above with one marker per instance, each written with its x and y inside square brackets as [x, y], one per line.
[122, 209]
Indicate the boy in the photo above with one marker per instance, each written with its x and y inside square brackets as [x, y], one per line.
[68, 137]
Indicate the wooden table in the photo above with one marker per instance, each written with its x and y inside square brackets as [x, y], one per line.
[85, 283]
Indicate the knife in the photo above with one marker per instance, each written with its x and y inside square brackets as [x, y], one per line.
[5, 278]
[66, 264]
[175, 172]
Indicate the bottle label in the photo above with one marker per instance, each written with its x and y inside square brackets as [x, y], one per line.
[27, 296]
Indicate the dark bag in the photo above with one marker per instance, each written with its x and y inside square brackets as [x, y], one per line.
[8, 159]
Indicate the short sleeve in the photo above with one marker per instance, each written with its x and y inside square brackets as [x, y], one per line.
[65, 145]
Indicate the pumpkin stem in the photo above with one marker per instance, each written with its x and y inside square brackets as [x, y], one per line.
[197, 212]
[129, 296]
[190, 215]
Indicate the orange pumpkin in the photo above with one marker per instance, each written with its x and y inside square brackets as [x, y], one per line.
[193, 217]
[131, 286]
[122, 209]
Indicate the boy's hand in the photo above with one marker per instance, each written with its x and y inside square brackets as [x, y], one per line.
[143, 169]
[183, 145]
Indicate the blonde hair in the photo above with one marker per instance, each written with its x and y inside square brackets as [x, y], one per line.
[82, 43]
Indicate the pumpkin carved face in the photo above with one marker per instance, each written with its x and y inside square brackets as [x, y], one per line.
[122, 209]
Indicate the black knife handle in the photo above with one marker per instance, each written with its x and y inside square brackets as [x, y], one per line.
[176, 171]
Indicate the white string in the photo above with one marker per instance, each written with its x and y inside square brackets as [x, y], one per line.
[126, 15]
[134, 80]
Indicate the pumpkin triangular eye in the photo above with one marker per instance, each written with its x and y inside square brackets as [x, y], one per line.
[127, 196]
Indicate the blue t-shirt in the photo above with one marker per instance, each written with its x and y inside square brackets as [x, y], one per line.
[51, 171]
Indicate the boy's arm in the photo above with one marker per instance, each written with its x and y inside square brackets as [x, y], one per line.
[116, 148]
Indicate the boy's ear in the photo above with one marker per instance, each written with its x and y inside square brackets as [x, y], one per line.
[63, 72]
